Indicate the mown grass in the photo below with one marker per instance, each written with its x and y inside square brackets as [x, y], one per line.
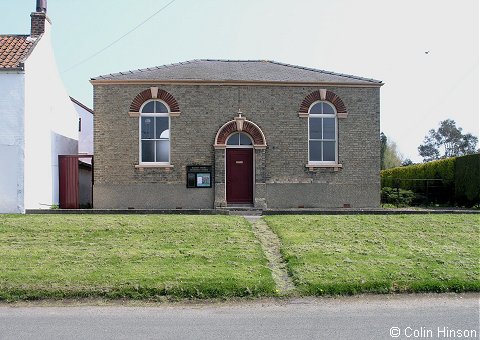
[380, 254]
[139, 257]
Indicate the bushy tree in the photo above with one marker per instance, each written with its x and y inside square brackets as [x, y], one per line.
[447, 141]
[389, 157]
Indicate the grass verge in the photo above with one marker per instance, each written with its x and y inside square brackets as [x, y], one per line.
[139, 257]
[380, 254]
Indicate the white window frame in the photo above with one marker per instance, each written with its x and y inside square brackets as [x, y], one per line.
[321, 116]
[142, 115]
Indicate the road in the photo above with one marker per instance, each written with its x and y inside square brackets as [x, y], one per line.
[364, 317]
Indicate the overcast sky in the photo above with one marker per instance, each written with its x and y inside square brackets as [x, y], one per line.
[380, 39]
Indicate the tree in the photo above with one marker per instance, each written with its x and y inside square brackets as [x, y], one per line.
[383, 147]
[389, 157]
[393, 158]
[447, 141]
[407, 162]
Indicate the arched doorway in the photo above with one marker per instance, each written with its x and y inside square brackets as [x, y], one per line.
[240, 164]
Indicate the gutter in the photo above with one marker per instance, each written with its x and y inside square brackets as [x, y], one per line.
[13, 70]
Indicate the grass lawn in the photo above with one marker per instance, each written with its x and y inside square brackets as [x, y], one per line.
[380, 254]
[134, 256]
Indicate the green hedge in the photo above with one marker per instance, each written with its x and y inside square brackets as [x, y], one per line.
[467, 180]
[452, 181]
[443, 169]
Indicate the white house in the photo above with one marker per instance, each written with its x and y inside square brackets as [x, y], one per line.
[85, 129]
[85, 147]
[38, 120]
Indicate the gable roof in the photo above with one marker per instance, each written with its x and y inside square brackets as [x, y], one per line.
[14, 50]
[235, 71]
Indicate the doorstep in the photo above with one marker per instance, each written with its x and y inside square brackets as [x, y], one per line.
[241, 210]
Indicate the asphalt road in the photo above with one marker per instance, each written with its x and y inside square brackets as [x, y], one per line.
[364, 317]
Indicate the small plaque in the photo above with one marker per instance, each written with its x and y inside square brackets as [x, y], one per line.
[239, 162]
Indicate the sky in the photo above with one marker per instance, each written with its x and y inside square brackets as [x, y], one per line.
[384, 40]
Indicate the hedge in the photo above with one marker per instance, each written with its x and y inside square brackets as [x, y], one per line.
[467, 180]
[452, 181]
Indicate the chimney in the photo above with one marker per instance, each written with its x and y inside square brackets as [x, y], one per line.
[38, 19]
[42, 6]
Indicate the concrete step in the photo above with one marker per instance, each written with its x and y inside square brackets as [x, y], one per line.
[245, 212]
[241, 210]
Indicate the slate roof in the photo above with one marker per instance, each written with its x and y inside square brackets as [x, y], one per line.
[14, 49]
[210, 70]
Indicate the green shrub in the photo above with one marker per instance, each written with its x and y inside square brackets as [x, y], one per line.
[467, 180]
[451, 181]
[438, 170]
[432, 182]
[398, 197]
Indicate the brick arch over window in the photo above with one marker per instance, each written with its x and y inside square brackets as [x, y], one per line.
[326, 95]
[155, 93]
[240, 124]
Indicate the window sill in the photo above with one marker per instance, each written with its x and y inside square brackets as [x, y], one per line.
[312, 167]
[155, 166]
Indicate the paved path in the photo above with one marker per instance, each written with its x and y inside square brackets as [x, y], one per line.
[364, 317]
[271, 248]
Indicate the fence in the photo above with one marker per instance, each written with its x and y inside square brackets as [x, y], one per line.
[417, 192]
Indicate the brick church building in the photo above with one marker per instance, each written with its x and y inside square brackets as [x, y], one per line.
[206, 134]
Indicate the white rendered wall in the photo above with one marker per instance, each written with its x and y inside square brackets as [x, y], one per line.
[51, 125]
[85, 136]
[11, 142]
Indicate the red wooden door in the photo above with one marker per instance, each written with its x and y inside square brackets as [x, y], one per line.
[68, 186]
[239, 175]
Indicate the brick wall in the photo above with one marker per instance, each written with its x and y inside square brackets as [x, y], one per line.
[204, 109]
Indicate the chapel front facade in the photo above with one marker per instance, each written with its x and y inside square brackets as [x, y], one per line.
[213, 133]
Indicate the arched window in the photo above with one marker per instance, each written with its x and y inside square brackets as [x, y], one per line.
[239, 139]
[322, 133]
[155, 132]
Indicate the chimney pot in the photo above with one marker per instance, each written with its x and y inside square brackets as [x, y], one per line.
[42, 6]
